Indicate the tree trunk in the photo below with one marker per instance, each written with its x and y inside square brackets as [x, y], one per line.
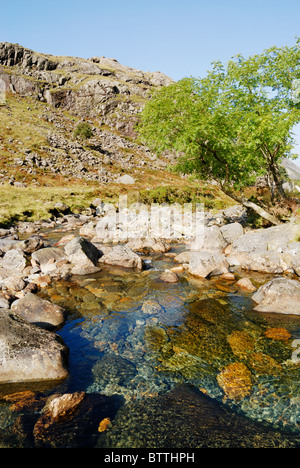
[248, 204]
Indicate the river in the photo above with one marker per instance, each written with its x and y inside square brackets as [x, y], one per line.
[151, 357]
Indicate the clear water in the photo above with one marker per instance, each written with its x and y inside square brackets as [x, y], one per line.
[147, 353]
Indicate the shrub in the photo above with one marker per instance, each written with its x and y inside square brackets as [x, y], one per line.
[83, 130]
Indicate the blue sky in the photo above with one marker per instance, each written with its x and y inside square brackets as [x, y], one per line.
[177, 37]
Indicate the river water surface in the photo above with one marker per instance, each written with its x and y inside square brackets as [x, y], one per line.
[150, 356]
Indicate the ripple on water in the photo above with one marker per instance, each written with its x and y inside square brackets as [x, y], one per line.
[133, 336]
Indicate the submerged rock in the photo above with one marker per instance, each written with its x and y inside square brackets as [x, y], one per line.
[169, 276]
[63, 405]
[235, 380]
[149, 245]
[186, 418]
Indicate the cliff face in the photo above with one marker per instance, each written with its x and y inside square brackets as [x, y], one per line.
[46, 96]
[98, 87]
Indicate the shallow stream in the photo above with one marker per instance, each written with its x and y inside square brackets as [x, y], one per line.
[150, 357]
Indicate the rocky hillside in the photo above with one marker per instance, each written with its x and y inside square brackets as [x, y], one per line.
[45, 98]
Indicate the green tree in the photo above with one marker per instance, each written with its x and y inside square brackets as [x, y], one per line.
[232, 126]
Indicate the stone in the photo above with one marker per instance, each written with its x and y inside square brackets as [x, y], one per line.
[280, 295]
[81, 252]
[43, 256]
[183, 257]
[151, 307]
[5, 300]
[63, 405]
[203, 264]
[39, 311]
[235, 380]
[296, 264]
[126, 179]
[278, 333]
[264, 262]
[241, 343]
[149, 245]
[245, 284]
[232, 232]
[263, 240]
[169, 276]
[12, 262]
[31, 244]
[122, 256]
[14, 283]
[211, 240]
[264, 364]
[29, 353]
[6, 243]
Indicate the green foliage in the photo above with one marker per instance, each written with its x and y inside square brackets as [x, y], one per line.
[211, 198]
[83, 131]
[233, 125]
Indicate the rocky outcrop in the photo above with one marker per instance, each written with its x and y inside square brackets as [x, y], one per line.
[273, 250]
[87, 87]
[100, 91]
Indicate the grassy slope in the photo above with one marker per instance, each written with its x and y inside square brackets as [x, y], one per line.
[23, 127]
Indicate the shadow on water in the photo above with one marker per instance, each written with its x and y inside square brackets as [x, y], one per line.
[186, 418]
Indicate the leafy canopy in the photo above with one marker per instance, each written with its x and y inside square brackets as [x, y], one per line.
[233, 125]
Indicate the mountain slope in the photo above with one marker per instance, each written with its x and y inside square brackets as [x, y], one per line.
[46, 97]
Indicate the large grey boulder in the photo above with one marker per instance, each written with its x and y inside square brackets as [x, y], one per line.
[280, 295]
[264, 262]
[272, 250]
[39, 311]
[204, 264]
[122, 256]
[45, 255]
[209, 239]
[83, 255]
[13, 262]
[29, 353]
[231, 232]
[274, 238]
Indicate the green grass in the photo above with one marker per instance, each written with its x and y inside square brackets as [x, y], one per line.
[34, 203]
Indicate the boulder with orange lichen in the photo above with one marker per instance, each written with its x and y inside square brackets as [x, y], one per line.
[278, 334]
[241, 343]
[235, 380]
